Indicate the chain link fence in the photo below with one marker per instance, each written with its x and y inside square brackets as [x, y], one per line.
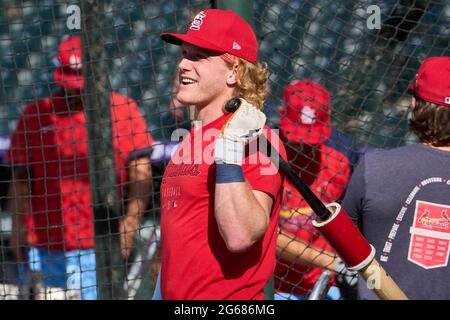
[365, 53]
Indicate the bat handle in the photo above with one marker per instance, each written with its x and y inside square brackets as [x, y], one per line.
[313, 201]
[381, 283]
[357, 253]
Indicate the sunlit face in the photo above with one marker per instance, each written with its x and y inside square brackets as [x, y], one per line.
[204, 76]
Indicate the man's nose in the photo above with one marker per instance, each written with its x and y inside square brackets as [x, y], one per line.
[185, 64]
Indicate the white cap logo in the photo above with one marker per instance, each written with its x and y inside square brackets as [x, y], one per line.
[447, 100]
[308, 115]
[75, 62]
[236, 46]
[198, 21]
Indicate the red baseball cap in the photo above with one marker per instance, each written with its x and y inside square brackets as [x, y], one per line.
[433, 81]
[67, 73]
[307, 115]
[219, 30]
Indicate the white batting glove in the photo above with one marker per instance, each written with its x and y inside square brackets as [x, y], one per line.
[345, 277]
[244, 126]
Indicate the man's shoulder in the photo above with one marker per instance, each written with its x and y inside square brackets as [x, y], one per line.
[333, 154]
[118, 99]
[394, 153]
[37, 113]
[336, 167]
[385, 162]
[123, 107]
[38, 107]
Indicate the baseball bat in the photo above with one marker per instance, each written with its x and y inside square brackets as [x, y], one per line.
[338, 229]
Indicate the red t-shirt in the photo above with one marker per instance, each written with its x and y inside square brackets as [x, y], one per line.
[196, 263]
[51, 143]
[295, 218]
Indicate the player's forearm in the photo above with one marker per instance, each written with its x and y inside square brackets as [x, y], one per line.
[240, 217]
[293, 249]
[19, 197]
[242, 214]
[18, 206]
[139, 187]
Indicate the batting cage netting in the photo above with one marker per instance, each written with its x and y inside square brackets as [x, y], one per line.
[80, 208]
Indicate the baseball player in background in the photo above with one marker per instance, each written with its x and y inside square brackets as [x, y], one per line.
[219, 209]
[305, 127]
[401, 197]
[50, 192]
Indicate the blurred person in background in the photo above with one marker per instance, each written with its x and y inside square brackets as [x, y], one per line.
[305, 128]
[50, 196]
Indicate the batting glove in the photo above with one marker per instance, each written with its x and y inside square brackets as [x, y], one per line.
[345, 277]
[244, 126]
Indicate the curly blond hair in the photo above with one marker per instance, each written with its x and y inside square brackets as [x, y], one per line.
[252, 82]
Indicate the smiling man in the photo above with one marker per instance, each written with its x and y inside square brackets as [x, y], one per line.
[219, 217]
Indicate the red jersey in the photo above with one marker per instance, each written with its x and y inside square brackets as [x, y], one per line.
[51, 142]
[295, 218]
[196, 263]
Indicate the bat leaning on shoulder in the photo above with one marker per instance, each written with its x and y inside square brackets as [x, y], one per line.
[335, 225]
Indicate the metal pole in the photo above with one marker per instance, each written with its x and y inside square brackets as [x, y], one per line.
[320, 289]
[102, 172]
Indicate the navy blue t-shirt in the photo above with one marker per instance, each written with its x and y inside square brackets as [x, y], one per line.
[401, 200]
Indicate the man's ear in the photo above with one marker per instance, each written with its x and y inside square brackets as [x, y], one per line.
[413, 102]
[232, 77]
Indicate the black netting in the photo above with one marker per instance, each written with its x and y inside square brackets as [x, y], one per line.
[366, 70]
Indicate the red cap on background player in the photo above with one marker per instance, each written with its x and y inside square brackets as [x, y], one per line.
[433, 81]
[307, 115]
[67, 73]
[221, 31]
